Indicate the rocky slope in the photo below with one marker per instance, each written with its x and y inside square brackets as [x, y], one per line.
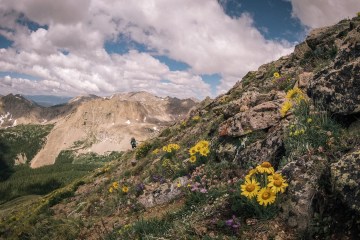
[299, 113]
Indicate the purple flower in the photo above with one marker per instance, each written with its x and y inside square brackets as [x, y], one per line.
[203, 190]
[233, 222]
[229, 222]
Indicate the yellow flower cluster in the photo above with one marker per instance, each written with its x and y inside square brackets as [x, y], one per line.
[183, 123]
[297, 132]
[202, 147]
[263, 184]
[196, 118]
[294, 95]
[114, 186]
[276, 75]
[124, 229]
[171, 147]
[155, 151]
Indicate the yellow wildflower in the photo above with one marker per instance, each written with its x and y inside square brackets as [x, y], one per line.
[276, 75]
[165, 149]
[250, 174]
[198, 148]
[285, 108]
[178, 184]
[111, 189]
[266, 196]
[115, 185]
[295, 94]
[309, 120]
[250, 188]
[193, 159]
[125, 189]
[204, 152]
[196, 118]
[265, 167]
[278, 185]
[192, 151]
[275, 176]
[204, 143]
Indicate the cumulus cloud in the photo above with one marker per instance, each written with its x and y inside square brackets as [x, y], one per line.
[198, 33]
[321, 13]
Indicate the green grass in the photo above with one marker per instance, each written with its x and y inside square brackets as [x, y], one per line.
[26, 181]
[39, 181]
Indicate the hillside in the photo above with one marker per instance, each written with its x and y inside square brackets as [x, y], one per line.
[201, 178]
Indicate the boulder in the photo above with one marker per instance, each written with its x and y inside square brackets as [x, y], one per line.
[163, 193]
[265, 148]
[303, 176]
[261, 116]
[345, 179]
[304, 79]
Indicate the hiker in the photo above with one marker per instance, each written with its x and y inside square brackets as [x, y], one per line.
[133, 143]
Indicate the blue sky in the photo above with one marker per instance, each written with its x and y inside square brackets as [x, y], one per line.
[179, 48]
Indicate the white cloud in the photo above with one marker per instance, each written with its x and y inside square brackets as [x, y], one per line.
[319, 13]
[198, 33]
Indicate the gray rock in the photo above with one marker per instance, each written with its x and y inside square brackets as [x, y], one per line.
[162, 194]
[345, 179]
[303, 176]
[338, 90]
[259, 117]
[264, 148]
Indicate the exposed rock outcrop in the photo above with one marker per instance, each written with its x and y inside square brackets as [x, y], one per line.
[345, 179]
[337, 86]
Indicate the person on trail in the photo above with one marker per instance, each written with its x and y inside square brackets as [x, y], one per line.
[133, 143]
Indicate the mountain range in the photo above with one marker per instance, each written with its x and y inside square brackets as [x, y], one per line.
[95, 124]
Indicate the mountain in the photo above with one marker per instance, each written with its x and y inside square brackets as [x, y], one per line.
[17, 109]
[94, 124]
[200, 178]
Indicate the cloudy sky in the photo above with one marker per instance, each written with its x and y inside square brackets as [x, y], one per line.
[181, 48]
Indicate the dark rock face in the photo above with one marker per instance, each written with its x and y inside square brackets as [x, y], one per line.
[267, 149]
[345, 179]
[337, 87]
[338, 90]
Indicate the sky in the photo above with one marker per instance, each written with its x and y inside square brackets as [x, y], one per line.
[177, 48]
